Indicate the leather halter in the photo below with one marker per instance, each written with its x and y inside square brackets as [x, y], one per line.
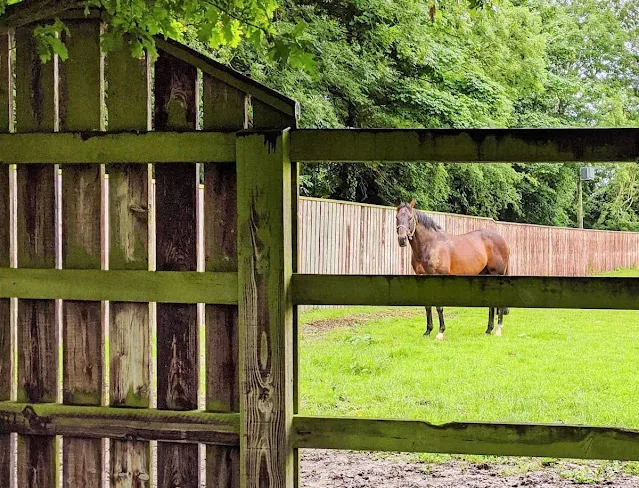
[409, 233]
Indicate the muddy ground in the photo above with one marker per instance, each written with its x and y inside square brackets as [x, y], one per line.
[338, 469]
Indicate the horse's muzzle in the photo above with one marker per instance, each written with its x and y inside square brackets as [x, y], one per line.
[402, 241]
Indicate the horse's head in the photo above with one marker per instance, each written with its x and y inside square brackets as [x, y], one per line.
[406, 222]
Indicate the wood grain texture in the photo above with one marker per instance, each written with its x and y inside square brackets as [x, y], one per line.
[123, 424]
[37, 466]
[498, 439]
[178, 465]
[82, 462]
[133, 286]
[224, 106]
[175, 94]
[98, 148]
[5, 459]
[82, 352]
[265, 312]
[37, 351]
[81, 108]
[130, 355]
[6, 82]
[130, 464]
[5, 349]
[35, 86]
[36, 216]
[465, 145]
[267, 117]
[4, 216]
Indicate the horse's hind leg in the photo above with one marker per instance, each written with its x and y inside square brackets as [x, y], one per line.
[500, 321]
[491, 320]
[442, 327]
[429, 321]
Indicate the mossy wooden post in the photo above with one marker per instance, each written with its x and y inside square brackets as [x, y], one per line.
[224, 109]
[37, 332]
[265, 311]
[129, 341]
[6, 116]
[81, 98]
[176, 237]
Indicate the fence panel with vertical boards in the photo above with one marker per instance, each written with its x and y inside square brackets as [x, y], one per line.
[366, 242]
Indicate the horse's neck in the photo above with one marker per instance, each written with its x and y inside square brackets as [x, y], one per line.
[424, 240]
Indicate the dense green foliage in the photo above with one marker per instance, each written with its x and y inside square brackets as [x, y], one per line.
[419, 63]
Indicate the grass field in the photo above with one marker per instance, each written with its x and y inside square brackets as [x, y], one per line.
[569, 366]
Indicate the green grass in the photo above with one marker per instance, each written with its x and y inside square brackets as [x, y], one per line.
[571, 366]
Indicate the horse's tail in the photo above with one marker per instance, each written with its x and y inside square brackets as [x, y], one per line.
[506, 310]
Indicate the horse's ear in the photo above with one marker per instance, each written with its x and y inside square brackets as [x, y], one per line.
[412, 203]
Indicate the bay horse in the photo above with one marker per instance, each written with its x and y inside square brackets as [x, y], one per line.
[435, 252]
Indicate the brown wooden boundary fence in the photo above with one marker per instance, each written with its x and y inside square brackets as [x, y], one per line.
[100, 334]
[350, 238]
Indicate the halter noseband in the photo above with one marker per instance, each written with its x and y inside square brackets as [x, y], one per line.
[409, 233]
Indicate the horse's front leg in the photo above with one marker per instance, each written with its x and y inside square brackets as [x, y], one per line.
[491, 320]
[429, 321]
[442, 327]
[500, 321]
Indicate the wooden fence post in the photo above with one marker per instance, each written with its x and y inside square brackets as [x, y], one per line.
[265, 310]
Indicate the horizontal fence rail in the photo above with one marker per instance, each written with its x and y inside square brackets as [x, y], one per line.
[467, 291]
[498, 439]
[465, 145]
[129, 286]
[130, 424]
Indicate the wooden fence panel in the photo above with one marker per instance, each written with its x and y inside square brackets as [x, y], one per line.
[224, 108]
[349, 238]
[129, 108]
[176, 94]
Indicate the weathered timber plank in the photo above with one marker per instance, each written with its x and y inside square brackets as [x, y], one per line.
[468, 291]
[229, 76]
[175, 94]
[6, 82]
[129, 89]
[178, 465]
[85, 469]
[225, 108]
[5, 460]
[466, 145]
[558, 441]
[5, 216]
[130, 354]
[81, 108]
[35, 86]
[36, 216]
[37, 466]
[37, 351]
[97, 148]
[266, 336]
[5, 349]
[120, 423]
[130, 464]
[267, 117]
[133, 286]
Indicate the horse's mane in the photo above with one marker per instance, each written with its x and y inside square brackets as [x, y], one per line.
[424, 219]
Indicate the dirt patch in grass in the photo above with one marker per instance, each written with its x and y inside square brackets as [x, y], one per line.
[339, 469]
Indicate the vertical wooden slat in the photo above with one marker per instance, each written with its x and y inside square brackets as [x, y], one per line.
[265, 311]
[6, 116]
[176, 94]
[266, 117]
[224, 108]
[81, 96]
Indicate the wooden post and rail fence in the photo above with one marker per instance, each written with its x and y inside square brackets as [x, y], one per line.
[100, 326]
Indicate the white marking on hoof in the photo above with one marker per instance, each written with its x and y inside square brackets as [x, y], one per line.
[440, 337]
[498, 332]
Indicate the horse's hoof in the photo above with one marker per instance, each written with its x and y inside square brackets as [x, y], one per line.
[498, 333]
[440, 337]
[426, 334]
